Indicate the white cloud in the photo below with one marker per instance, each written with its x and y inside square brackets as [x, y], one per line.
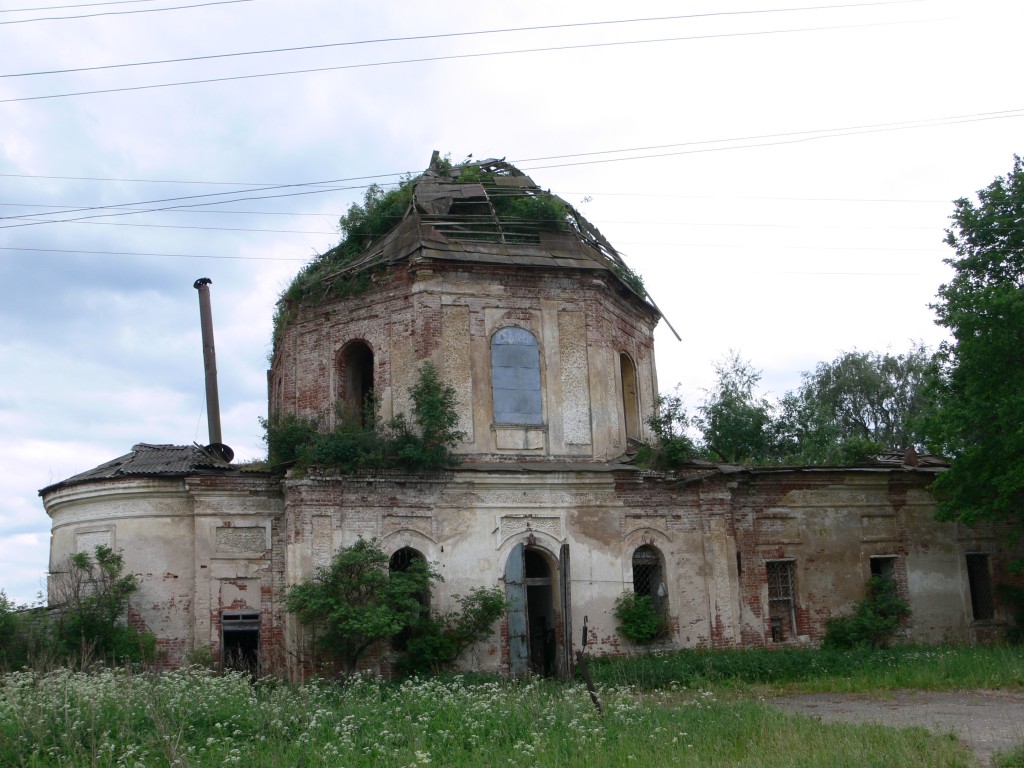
[786, 253]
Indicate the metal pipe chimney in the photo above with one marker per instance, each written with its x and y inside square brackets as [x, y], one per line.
[210, 365]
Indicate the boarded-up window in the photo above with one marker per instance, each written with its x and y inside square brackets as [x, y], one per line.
[515, 376]
[980, 578]
[781, 599]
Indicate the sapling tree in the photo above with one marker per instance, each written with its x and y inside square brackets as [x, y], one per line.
[355, 602]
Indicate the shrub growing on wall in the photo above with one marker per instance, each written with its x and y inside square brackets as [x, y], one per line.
[874, 620]
[423, 443]
[639, 620]
[438, 641]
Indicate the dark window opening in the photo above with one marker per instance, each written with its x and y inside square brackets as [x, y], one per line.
[884, 567]
[630, 400]
[401, 561]
[356, 388]
[240, 642]
[515, 377]
[648, 578]
[980, 578]
[781, 599]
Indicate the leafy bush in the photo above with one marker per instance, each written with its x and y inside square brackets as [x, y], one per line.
[424, 444]
[438, 641]
[638, 619]
[356, 602]
[1013, 598]
[874, 621]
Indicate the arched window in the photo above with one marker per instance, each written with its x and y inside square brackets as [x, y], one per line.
[648, 577]
[355, 389]
[630, 400]
[401, 561]
[515, 376]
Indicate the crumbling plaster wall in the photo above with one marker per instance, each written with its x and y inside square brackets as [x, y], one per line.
[167, 532]
[448, 314]
[831, 524]
[714, 534]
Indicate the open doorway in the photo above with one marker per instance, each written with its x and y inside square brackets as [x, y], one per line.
[240, 642]
[535, 619]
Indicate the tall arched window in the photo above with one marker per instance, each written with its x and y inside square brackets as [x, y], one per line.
[401, 561]
[630, 401]
[515, 377]
[649, 578]
[355, 388]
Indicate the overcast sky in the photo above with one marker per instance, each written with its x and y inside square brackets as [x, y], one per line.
[780, 173]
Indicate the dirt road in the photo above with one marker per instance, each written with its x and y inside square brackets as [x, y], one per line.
[986, 721]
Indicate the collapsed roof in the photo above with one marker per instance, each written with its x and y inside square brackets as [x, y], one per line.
[484, 212]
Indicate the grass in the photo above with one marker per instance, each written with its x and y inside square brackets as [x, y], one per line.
[195, 718]
[1013, 758]
[686, 708]
[921, 668]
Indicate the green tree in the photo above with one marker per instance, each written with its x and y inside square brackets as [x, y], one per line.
[356, 602]
[434, 412]
[91, 594]
[979, 420]
[737, 425]
[670, 424]
[855, 406]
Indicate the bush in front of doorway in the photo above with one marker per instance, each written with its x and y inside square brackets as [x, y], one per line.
[639, 620]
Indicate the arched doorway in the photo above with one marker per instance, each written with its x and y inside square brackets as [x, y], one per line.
[537, 591]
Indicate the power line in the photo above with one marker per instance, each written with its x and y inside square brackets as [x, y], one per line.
[850, 128]
[142, 253]
[183, 205]
[323, 185]
[797, 140]
[78, 5]
[123, 13]
[448, 57]
[212, 229]
[444, 35]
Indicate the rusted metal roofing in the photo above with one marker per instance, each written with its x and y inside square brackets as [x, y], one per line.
[146, 460]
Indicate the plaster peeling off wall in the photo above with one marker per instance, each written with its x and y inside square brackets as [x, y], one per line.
[575, 378]
[457, 372]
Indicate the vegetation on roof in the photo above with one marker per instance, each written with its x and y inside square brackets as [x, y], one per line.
[507, 213]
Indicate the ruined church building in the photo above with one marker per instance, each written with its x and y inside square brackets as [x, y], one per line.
[547, 338]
